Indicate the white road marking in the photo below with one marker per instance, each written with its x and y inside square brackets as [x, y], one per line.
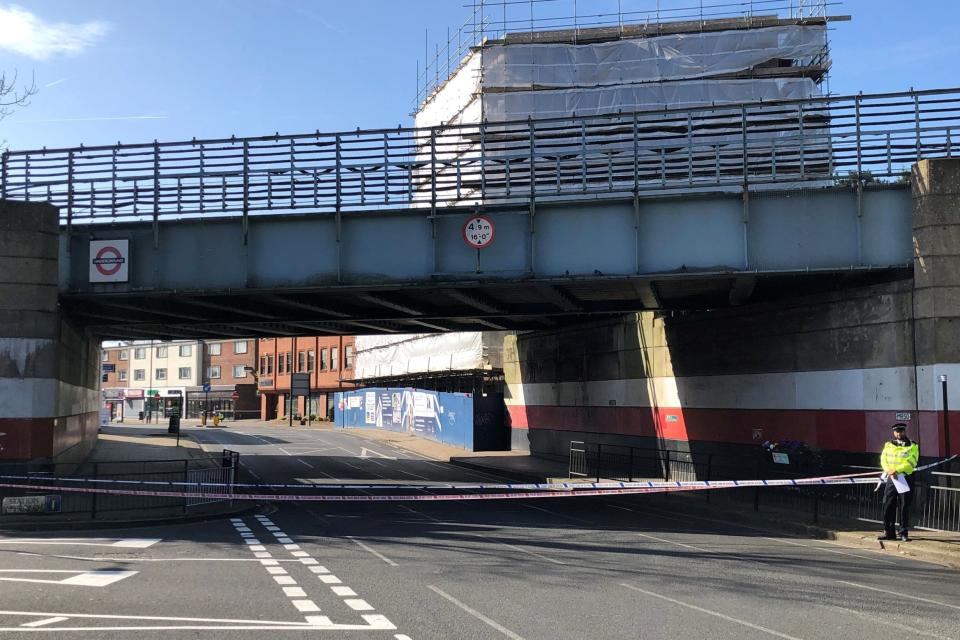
[101, 578]
[373, 551]
[96, 616]
[305, 463]
[294, 592]
[306, 561]
[476, 614]
[41, 623]
[329, 579]
[679, 544]
[129, 543]
[819, 548]
[249, 470]
[319, 569]
[287, 580]
[401, 636]
[901, 595]
[306, 606]
[872, 617]
[364, 451]
[710, 612]
[559, 515]
[277, 571]
[344, 592]
[283, 539]
[291, 547]
[358, 605]
[516, 548]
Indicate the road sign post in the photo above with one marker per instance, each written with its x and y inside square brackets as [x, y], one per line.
[299, 386]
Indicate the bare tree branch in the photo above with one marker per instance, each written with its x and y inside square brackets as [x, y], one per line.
[12, 96]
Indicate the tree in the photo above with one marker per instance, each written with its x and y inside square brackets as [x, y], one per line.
[12, 96]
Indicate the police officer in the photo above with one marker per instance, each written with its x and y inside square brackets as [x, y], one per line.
[898, 459]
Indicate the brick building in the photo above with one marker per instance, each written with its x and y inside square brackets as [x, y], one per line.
[228, 367]
[329, 360]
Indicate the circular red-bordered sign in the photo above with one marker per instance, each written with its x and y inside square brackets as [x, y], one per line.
[479, 232]
[108, 261]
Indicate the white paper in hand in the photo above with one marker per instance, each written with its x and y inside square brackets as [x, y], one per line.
[900, 483]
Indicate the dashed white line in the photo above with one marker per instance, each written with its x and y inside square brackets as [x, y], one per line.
[900, 594]
[305, 606]
[294, 592]
[358, 605]
[329, 579]
[373, 551]
[710, 612]
[476, 614]
[344, 591]
[285, 580]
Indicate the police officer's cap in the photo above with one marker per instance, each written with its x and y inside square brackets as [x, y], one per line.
[899, 427]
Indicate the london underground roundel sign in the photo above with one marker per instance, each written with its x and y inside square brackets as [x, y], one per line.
[479, 232]
[109, 260]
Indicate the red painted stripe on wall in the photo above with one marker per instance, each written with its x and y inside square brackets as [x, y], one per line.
[27, 438]
[835, 430]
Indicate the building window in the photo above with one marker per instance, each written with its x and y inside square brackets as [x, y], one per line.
[213, 371]
[334, 358]
[269, 364]
[311, 360]
[301, 361]
[214, 348]
[186, 350]
[138, 374]
[124, 354]
[348, 357]
[104, 377]
[104, 355]
[280, 360]
[323, 359]
[161, 374]
[184, 373]
[239, 371]
[240, 346]
[289, 362]
[122, 374]
[263, 365]
[161, 352]
[139, 353]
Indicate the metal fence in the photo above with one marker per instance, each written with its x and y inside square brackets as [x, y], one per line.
[851, 140]
[936, 504]
[190, 475]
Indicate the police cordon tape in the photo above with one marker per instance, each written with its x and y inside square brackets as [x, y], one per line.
[578, 487]
[558, 490]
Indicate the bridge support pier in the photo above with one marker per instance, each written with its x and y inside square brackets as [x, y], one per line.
[49, 370]
[832, 369]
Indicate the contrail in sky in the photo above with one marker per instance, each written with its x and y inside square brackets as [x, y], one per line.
[97, 119]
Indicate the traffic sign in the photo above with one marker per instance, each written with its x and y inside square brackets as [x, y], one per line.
[206, 387]
[234, 396]
[109, 260]
[300, 384]
[109, 367]
[479, 232]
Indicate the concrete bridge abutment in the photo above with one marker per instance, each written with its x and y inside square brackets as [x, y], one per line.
[49, 369]
[833, 369]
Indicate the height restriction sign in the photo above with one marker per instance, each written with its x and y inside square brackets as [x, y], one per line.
[109, 260]
[478, 232]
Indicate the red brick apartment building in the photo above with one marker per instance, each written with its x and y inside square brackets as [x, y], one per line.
[328, 359]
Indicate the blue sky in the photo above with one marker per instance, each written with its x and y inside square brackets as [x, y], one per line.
[131, 71]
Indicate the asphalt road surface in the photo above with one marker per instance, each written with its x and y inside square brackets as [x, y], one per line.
[530, 569]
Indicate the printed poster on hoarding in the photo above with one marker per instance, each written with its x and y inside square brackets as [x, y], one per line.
[370, 407]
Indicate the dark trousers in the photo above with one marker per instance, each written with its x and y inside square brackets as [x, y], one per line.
[896, 507]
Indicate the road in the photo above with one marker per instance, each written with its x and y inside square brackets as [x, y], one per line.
[629, 567]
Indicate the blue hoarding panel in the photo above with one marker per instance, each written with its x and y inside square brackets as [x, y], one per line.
[440, 416]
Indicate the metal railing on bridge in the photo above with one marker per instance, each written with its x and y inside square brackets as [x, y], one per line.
[812, 142]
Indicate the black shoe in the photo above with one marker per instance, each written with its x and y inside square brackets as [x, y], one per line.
[886, 536]
[904, 537]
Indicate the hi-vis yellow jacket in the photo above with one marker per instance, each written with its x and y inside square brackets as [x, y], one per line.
[902, 459]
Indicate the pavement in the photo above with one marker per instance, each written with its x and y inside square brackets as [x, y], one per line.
[526, 569]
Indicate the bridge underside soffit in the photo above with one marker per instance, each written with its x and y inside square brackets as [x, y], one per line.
[430, 308]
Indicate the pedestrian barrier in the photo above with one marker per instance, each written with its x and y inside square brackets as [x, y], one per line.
[185, 472]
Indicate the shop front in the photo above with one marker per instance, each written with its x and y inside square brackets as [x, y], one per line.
[220, 401]
[163, 403]
[113, 402]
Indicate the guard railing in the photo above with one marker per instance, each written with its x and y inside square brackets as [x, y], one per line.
[848, 140]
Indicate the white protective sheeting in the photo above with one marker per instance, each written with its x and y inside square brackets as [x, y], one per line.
[641, 97]
[393, 355]
[451, 103]
[636, 60]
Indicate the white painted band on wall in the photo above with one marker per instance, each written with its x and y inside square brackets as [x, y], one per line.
[878, 389]
[45, 398]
